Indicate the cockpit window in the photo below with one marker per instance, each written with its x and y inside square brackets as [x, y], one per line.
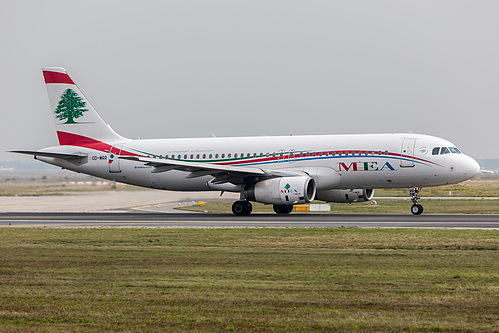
[444, 150]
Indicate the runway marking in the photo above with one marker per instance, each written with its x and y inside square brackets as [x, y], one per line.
[73, 222]
[141, 208]
[172, 203]
[142, 221]
[150, 205]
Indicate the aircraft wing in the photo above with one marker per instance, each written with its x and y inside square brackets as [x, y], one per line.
[48, 154]
[222, 173]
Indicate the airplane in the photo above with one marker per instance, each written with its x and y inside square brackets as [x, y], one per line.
[279, 170]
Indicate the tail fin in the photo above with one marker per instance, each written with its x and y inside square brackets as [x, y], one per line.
[76, 121]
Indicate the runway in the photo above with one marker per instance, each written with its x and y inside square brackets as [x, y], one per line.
[176, 220]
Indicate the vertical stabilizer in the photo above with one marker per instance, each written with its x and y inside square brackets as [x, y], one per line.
[76, 120]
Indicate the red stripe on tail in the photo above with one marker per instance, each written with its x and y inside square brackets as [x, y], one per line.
[56, 77]
[70, 139]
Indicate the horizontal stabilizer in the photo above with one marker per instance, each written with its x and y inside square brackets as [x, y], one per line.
[47, 154]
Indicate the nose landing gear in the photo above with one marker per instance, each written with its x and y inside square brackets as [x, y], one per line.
[416, 208]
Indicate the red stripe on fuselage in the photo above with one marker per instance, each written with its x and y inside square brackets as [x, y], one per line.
[56, 77]
[70, 139]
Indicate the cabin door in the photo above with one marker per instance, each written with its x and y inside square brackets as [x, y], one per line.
[113, 160]
[286, 156]
[407, 153]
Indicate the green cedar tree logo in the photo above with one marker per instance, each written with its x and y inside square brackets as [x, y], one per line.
[287, 187]
[70, 107]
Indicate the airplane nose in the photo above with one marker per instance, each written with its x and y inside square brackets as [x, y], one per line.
[472, 168]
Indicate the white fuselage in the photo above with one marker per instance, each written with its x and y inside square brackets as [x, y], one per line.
[360, 161]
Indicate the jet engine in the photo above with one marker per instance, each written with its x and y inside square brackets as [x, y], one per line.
[282, 191]
[353, 195]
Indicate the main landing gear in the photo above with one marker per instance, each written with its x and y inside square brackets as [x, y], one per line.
[416, 208]
[283, 209]
[242, 208]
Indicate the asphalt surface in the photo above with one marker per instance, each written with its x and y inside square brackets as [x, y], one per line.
[149, 219]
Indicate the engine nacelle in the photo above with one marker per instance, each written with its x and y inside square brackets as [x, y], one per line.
[353, 195]
[282, 191]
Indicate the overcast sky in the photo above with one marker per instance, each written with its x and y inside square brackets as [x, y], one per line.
[169, 69]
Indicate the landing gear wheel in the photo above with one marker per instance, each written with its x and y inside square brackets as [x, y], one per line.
[283, 209]
[249, 207]
[416, 209]
[241, 208]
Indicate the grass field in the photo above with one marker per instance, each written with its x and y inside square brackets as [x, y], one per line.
[298, 280]
[382, 207]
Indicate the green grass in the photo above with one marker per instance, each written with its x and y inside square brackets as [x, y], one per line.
[382, 207]
[298, 280]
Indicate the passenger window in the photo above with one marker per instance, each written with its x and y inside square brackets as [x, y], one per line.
[192, 156]
[197, 156]
[223, 155]
[185, 156]
[166, 156]
[235, 155]
[229, 155]
[216, 155]
[210, 156]
[445, 150]
[204, 156]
